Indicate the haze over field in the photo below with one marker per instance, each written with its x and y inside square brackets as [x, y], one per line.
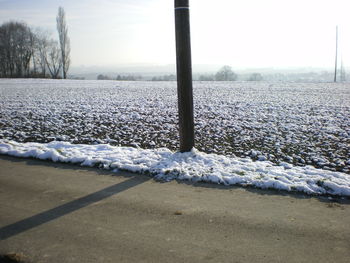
[243, 33]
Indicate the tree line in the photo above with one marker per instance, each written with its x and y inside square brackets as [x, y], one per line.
[227, 74]
[28, 52]
[131, 77]
[120, 77]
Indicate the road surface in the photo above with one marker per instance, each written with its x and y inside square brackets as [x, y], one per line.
[53, 212]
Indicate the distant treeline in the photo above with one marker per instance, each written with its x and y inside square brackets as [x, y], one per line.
[170, 77]
[226, 74]
[223, 74]
[120, 77]
[131, 77]
[27, 52]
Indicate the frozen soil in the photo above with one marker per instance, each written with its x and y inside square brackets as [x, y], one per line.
[297, 123]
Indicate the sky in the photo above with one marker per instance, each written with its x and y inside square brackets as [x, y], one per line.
[240, 33]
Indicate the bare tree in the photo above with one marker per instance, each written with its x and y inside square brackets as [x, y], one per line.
[42, 48]
[31, 53]
[255, 77]
[34, 46]
[53, 59]
[63, 40]
[225, 74]
[15, 49]
[336, 54]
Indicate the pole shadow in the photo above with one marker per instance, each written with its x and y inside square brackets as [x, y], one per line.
[57, 212]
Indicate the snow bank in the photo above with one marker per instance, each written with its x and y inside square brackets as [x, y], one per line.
[195, 166]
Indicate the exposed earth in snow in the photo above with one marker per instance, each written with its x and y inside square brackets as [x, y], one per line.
[285, 123]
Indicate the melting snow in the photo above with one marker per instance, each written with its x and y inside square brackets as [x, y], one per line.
[195, 166]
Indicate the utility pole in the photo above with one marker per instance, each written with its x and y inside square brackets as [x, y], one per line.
[342, 71]
[184, 74]
[336, 54]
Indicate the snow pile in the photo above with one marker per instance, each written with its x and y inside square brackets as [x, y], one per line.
[195, 165]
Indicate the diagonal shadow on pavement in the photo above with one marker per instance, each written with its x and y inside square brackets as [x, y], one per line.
[57, 212]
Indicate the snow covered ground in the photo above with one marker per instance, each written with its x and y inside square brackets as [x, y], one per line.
[194, 166]
[300, 124]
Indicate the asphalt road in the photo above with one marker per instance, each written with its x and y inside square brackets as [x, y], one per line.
[63, 213]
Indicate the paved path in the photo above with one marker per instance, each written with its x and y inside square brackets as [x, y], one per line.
[62, 213]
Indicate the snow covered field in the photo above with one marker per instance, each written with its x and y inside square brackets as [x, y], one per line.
[286, 127]
[280, 122]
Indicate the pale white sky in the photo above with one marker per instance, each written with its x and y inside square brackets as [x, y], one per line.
[240, 33]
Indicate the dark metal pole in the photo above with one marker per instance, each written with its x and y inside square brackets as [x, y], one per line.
[336, 55]
[184, 74]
